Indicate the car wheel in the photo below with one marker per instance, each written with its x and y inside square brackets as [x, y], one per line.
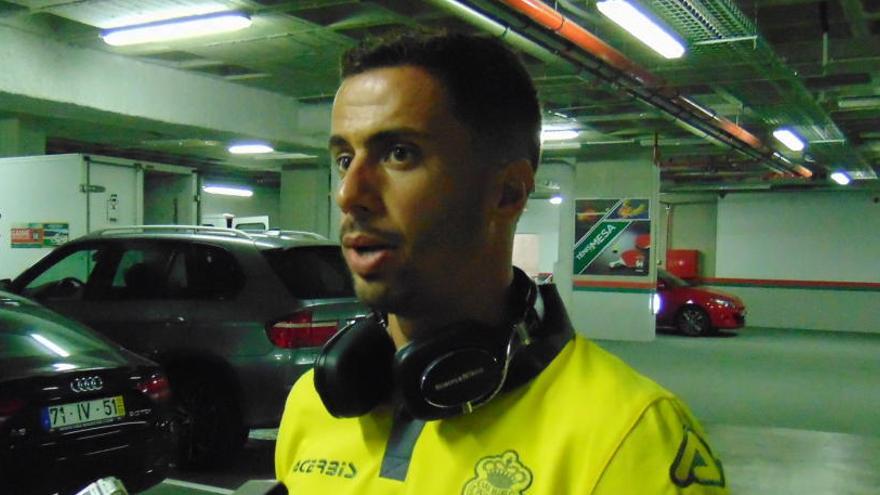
[207, 424]
[693, 321]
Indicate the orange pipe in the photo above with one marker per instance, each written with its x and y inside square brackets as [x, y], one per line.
[564, 27]
[549, 18]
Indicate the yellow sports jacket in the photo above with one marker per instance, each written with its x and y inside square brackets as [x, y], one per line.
[587, 424]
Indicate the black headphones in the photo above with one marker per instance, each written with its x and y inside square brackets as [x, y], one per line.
[449, 372]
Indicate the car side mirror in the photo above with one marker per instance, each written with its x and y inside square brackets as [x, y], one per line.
[6, 284]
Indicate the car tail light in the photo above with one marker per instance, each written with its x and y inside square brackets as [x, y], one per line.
[8, 408]
[155, 387]
[298, 330]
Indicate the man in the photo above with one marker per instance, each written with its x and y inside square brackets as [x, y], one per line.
[468, 378]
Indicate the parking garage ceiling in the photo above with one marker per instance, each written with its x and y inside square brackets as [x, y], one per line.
[751, 67]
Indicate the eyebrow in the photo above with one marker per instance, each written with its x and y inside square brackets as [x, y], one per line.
[383, 136]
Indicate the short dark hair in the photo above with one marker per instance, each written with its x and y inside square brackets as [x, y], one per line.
[489, 87]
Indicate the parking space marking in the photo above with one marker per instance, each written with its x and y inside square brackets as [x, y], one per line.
[199, 486]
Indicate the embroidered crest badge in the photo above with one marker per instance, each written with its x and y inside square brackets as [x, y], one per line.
[503, 474]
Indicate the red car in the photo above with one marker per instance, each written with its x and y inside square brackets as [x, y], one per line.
[696, 310]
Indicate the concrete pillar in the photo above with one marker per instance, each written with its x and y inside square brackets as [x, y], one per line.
[305, 198]
[19, 138]
[614, 303]
[563, 173]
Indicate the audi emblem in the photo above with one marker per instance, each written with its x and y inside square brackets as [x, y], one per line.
[87, 384]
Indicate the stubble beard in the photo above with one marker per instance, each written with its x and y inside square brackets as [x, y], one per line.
[410, 292]
[397, 295]
[413, 292]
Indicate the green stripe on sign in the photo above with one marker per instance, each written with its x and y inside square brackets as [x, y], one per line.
[596, 241]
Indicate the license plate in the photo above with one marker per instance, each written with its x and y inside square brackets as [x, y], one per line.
[81, 414]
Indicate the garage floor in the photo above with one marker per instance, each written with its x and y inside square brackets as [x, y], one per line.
[799, 379]
[788, 411]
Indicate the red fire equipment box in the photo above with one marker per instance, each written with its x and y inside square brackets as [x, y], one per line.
[684, 263]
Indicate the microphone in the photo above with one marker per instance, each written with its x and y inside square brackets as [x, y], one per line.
[112, 486]
[105, 486]
[261, 487]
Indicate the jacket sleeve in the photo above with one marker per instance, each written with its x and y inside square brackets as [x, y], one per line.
[665, 453]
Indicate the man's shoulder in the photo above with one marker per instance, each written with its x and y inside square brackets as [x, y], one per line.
[303, 394]
[597, 374]
[596, 396]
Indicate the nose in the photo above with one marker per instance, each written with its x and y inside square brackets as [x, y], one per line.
[359, 190]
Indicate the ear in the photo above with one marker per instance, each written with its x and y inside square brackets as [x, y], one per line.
[517, 181]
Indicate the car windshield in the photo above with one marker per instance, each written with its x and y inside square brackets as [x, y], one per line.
[672, 280]
[312, 272]
[24, 334]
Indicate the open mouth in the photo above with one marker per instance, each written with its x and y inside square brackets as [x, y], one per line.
[371, 249]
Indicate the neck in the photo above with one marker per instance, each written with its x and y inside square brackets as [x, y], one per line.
[485, 302]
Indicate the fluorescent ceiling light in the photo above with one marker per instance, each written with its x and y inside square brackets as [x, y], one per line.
[112, 20]
[561, 146]
[642, 27]
[559, 134]
[229, 191]
[789, 139]
[250, 149]
[175, 29]
[285, 156]
[556, 200]
[859, 102]
[840, 177]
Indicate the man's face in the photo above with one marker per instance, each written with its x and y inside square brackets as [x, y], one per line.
[413, 196]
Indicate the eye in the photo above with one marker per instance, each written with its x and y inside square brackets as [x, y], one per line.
[400, 153]
[343, 162]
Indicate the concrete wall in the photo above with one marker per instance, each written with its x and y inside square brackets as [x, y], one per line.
[20, 138]
[25, 201]
[265, 201]
[306, 199]
[46, 189]
[689, 222]
[802, 260]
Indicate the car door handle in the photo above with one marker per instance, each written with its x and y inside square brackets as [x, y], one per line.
[176, 320]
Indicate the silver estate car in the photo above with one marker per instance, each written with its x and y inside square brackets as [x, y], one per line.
[234, 318]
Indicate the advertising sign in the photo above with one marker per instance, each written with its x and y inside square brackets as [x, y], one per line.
[39, 235]
[613, 237]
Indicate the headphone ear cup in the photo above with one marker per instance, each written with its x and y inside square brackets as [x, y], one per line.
[438, 376]
[353, 369]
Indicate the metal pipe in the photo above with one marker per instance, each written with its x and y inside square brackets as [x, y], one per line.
[645, 85]
[497, 29]
[550, 19]
[725, 40]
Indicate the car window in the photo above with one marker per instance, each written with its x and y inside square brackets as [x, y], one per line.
[65, 279]
[312, 272]
[210, 272]
[26, 335]
[142, 271]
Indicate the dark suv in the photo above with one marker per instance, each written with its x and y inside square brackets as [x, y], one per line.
[234, 318]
